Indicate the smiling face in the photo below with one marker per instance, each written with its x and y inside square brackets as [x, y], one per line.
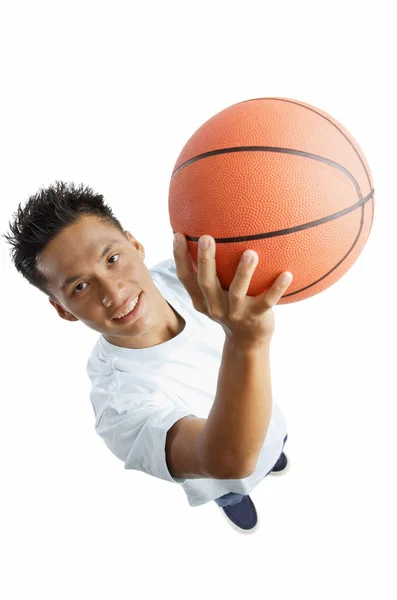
[93, 269]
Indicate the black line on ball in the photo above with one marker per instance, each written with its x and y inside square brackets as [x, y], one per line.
[290, 230]
[287, 231]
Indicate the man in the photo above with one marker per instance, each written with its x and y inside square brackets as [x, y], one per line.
[176, 393]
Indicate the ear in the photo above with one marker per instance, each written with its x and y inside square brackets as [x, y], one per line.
[64, 314]
[134, 242]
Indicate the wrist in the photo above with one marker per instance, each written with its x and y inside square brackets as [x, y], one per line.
[247, 344]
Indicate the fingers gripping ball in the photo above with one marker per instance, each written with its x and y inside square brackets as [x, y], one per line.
[280, 177]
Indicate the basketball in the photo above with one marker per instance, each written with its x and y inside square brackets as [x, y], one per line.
[280, 177]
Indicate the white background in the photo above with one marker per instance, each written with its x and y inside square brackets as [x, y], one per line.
[107, 93]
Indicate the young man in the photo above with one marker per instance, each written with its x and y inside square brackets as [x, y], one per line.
[180, 377]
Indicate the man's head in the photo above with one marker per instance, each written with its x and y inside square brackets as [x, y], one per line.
[68, 244]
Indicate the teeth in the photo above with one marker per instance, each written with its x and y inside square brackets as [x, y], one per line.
[129, 309]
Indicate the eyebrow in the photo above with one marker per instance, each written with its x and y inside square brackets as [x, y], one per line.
[70, 280]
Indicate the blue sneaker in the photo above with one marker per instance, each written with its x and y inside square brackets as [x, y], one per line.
[280, 465]
[243, 514]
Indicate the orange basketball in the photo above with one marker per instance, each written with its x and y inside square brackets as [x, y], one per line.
[280, 177]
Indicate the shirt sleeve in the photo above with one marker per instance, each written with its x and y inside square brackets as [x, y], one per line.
[136, 432]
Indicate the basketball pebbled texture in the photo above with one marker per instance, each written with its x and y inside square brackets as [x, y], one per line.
[280, 177]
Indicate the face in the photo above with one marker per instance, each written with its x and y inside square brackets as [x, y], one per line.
[104, 282]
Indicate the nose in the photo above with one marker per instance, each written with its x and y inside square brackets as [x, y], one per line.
[113, 294]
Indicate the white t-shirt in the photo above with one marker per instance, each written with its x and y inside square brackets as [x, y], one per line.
[138, 394]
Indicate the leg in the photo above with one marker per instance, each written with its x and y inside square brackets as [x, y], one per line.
[229, 499]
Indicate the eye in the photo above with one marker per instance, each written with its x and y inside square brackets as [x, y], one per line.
[113, 257]
[82, 290]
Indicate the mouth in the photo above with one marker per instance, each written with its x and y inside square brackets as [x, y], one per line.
[133, 314]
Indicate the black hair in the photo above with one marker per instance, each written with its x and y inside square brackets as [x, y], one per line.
[44, 216]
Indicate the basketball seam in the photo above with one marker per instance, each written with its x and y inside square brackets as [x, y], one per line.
[299, 228]
[335, 266]
[336, 127]
[289, 230]
[313, 109]
[344, 135]
[233, 149]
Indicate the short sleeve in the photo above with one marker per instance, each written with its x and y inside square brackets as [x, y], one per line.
[136, 432]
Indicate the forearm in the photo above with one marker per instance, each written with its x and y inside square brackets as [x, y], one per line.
[240, 415]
